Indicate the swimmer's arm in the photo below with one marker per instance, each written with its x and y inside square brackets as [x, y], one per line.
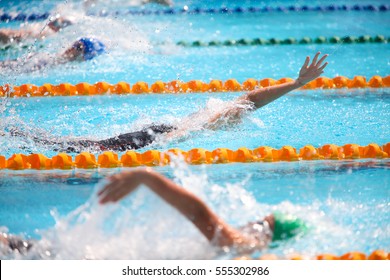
[258, 98]
[211, 226]
[263, 96]
[10, 35]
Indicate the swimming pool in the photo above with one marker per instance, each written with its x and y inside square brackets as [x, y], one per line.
[346, 202]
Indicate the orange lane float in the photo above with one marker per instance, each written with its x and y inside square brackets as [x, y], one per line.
[45, 89]
[120, 88]
[140, 87]
[86, 160]
[102, 87]
[232, 85]
[215, 85]
[198, 156]
[195, 86]
[131, 159]
[354, 255]
[39, 161]
[250, 84]
[267, 82]
[244, 155]
[3, 162]
[222, 155]
[85, 89]
[175, 153]
[340, 82]
[286, 153]
[64, 89]
[379, 255]
[153, 158]
[18, 162]
[357, 82]
[264, 154]
[386, 81]
[285, 80]
[62, 161]
[352, 151]
[176, 86]
[158, 87]
[110, 159]
[373, 150]
[376, 82]
[309, 152]
[386, 148]
[331, 151]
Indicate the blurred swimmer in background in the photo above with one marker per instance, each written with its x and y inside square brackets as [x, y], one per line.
[81, 50]
[231, 114]
[256, 235]
[90, 3]
[14, 36]
[273, 229]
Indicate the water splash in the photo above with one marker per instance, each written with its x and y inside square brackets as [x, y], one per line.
[143, 226]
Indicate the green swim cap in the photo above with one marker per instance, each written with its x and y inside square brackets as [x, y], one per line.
[287, 226]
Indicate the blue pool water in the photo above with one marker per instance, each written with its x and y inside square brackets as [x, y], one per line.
[345, 202]
[300, 118]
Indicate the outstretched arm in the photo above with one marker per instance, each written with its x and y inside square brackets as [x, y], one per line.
[263, 96]
[260, 97]
[192, 207]
[8, 36]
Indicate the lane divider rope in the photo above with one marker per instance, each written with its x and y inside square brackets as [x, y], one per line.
[353, 255]
[176, 86]
[131, 158]
[7, 17]
[255, 42]
[287, 41]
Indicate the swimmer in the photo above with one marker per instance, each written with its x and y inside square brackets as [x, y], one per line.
[257, 235]
[90, 3]
[15, 243]
[250, 101]
[82, 50]
[161, 2]
[10, 36]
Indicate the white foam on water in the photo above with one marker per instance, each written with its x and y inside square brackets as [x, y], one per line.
[143, 226]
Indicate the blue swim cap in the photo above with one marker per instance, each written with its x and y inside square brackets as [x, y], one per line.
[92, 47]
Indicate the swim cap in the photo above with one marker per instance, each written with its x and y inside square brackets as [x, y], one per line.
[91, 47]
[287, 226]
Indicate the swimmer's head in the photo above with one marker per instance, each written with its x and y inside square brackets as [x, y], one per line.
[59, 23]
[86, 49]
[287, 226]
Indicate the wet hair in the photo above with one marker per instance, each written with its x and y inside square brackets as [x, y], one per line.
[89, 47]
[19, 244]
[16, 243]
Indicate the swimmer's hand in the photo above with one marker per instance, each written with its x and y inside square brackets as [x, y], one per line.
[309, 73]
[120, 185]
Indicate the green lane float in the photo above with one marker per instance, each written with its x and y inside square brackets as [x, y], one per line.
[288, 41]
[363, 39]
